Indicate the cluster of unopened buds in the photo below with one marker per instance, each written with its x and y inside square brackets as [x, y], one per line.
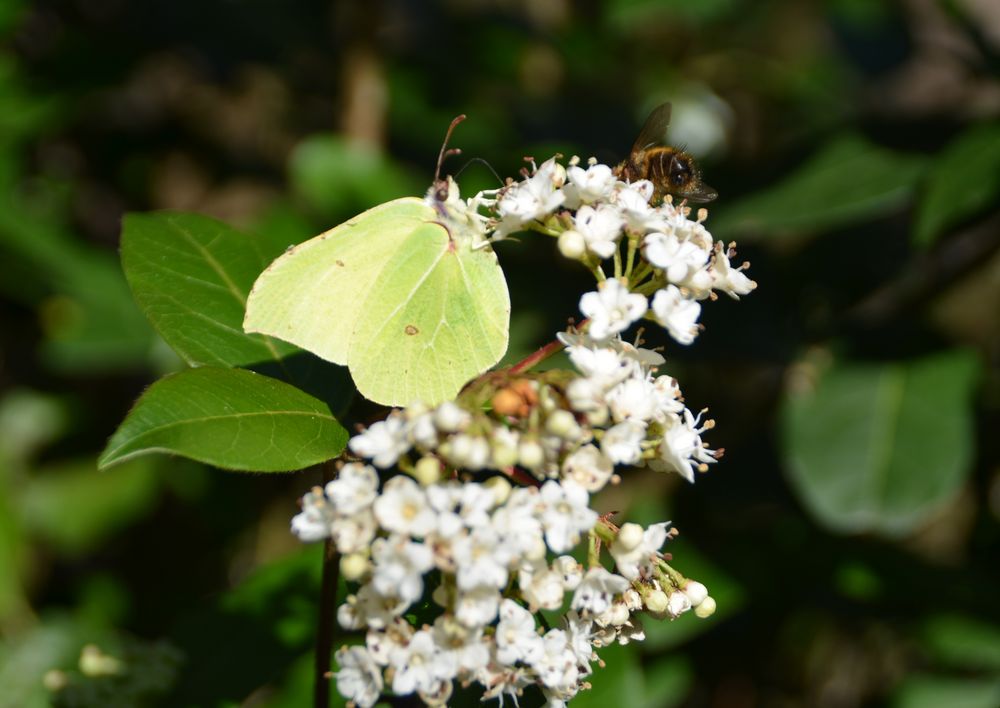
[457, 524]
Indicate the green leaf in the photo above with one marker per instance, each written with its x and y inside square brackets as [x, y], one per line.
[74, 506]
[966, 643]
[940, 691]
[965, 179]
[338, 177]
[879, 448]
[850, 180]
[191, 275]
[228, 418]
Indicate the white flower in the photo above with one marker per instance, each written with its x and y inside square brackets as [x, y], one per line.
[633, 399]
[359, 679]
[422, 429]
[369, 608]
[500, 679]
[633, 551]
[399, 567]
[677, 258]
[601, 228]
[354, 488]
[645, 359]
[477, 607]
[450, 417]
[469, 652]
[460, 506]
[729, 280]
[354, 533]
[622, 443]
[633, 203]
[599, 363]
[585, 395]
[556, 666]
[481, 559]
[565, 514]
[588, 467]
[681, 449]
[381, 642]
[516, 637]
[677, 313]
[597, 589]
[518, 526]
[612, 309]
[668, 397]
[403, 508]
[534, 198]
[580, 632]
[383, 442]
[313, 522]
[570, 570]
[540, 585]
[586, 186]
[420, 665]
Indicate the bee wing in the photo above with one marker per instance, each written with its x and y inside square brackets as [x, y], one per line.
[700, 193]
[654, 131]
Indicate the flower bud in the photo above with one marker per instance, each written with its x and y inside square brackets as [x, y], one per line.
[656, 601]
[629, 536]
[507, 402]
[563, 424]
[599, 417]
[503, 456]
[428, 470]
[468, 451]
[696, 592]
[531, 454]
[353, 566]
[678, 604]
[572, 245]
[706, 608]
[500, 487]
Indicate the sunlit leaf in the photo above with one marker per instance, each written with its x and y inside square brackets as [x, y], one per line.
[846, 182]
[965, 179]
[228, 418]
[879, 447]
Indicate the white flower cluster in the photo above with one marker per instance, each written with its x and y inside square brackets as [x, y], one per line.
[456, 528]
[489, 543]
[593, 213]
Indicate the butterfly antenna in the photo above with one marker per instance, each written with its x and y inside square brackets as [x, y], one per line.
[447, 152]
[480, 160]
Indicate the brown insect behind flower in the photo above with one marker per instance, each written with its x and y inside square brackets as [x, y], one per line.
[671, 170]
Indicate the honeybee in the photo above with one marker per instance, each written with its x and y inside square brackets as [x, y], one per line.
[670, 169]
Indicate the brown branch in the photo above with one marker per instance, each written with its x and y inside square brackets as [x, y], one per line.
[327, 612]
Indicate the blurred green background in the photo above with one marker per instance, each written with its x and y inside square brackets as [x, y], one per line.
[849, 535]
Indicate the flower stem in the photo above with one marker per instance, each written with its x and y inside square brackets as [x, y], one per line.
[533, 360]
[327, 610]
